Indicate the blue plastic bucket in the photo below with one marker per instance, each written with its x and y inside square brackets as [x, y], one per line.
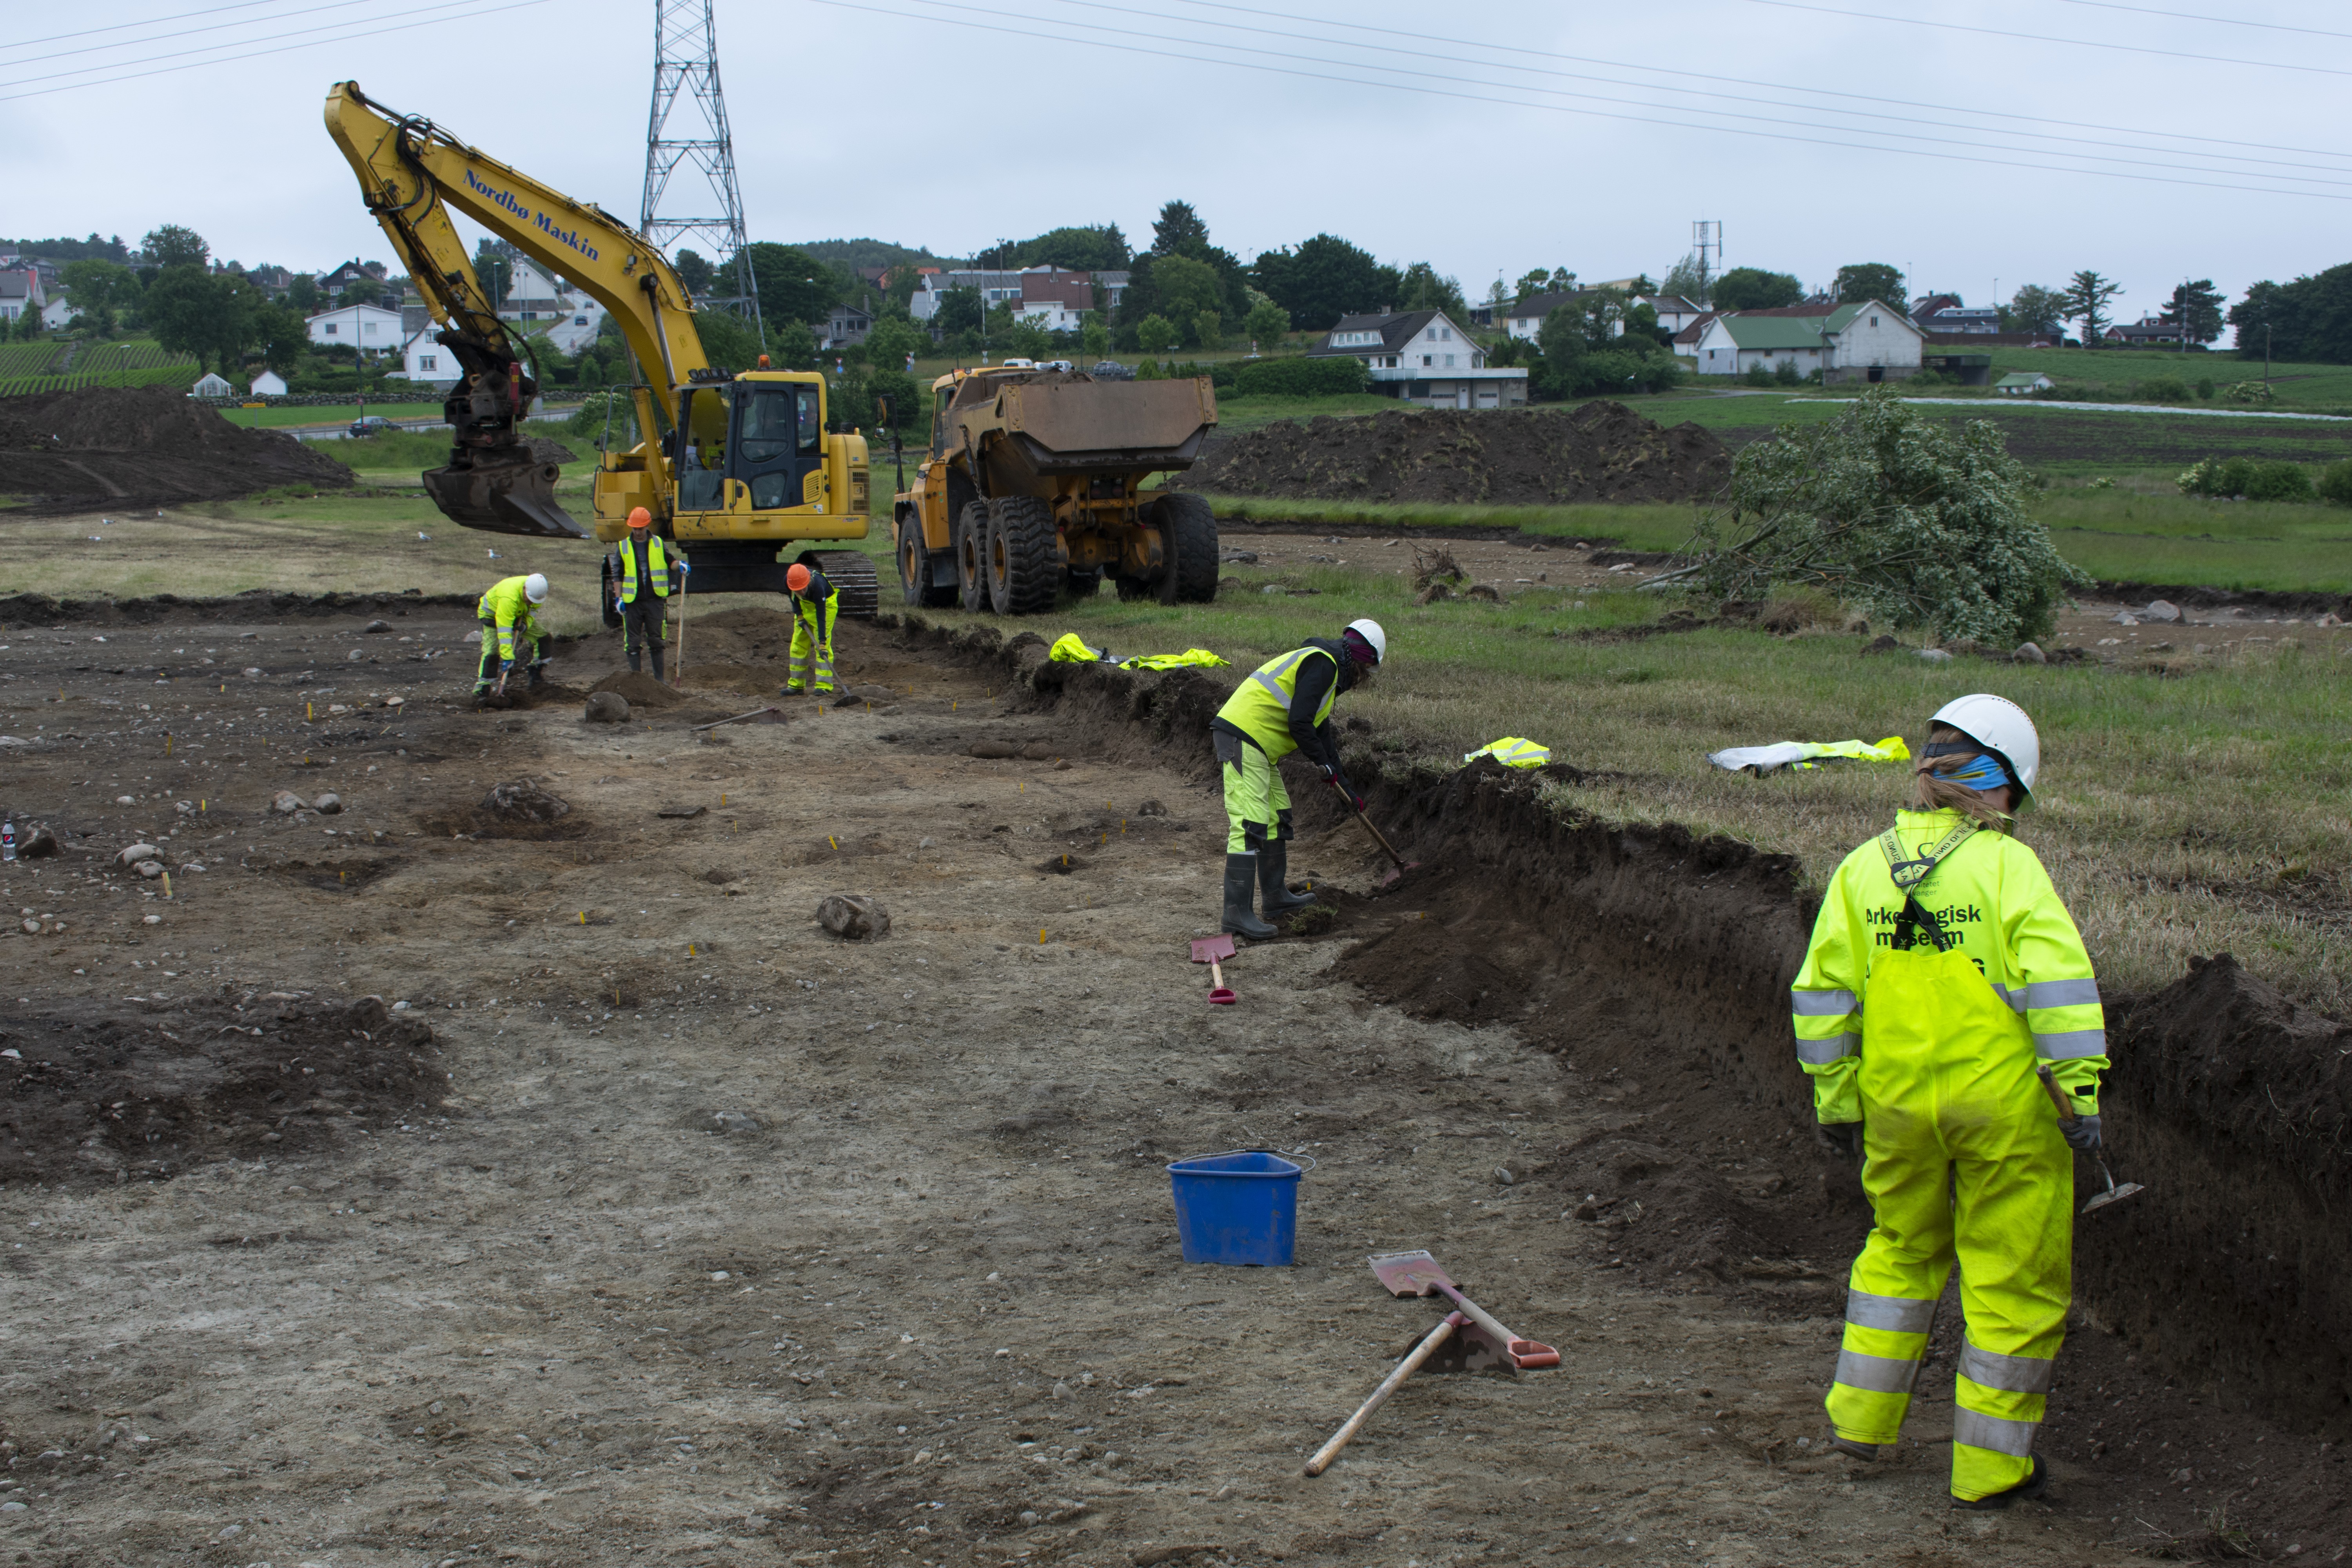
[1238, 1208]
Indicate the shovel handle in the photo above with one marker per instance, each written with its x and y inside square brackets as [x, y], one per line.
[1428, 1347]
[2059, 1098]
[1217, 973]
[1370, 827]
[1530, 1355]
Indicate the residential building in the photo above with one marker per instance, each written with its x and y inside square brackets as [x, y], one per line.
[371, 329]
[58, 311]
[269, 384]
[332, 284]
[1422, 357]
[1070, 289]
[21, 290]
[2146, 332]
[1525, 318]
[1674, 312]
[1924, 308]
[212, 385]
[423, 359]
[1866, 342]
[2022, 384]
[846, 327]
[1961, 318]
[537, 302]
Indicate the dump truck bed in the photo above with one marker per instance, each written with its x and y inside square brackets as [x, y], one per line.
[1067, 425]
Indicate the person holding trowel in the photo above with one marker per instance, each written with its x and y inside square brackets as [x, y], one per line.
[509, 614]
[1284, 705]
[1944, 978]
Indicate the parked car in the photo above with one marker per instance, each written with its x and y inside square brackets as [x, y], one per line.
[369, 424]
[1111, 370]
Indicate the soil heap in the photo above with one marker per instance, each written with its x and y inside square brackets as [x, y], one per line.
[101, 448]
[1594, 452]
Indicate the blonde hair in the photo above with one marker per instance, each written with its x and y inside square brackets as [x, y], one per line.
[1933, 791]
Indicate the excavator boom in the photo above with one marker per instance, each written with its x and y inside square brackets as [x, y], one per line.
[412, 175]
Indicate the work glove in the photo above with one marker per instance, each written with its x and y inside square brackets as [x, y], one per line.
[2082, 1133]
[1340, 779]
[1845, 1137]
[505, 665]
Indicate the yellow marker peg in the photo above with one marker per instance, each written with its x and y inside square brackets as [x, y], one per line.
[829, 839]
[167, 884]
[167, 743]
[310, 712]
[722, 800]
[1065, 862]
[203, 806]
[689, 950]
[1041, 936]
[1020, 789]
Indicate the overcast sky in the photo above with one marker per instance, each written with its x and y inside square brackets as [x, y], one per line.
[888, 119]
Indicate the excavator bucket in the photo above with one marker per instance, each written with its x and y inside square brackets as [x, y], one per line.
[513, 496]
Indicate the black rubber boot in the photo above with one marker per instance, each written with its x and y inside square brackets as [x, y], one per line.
[657, 662]
[634, 659]
[1274, 896]
[2032, 1486]
[1241, 881]
[538, 678]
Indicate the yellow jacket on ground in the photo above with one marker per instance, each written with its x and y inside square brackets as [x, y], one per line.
[507, 607]
[1991, 893]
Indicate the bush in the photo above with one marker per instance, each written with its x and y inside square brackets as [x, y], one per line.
[2279, 481]
[1958, 552]
[2164, 389]
[2334, 484]
[1785, 374]
[2205, 387]
[2250, 392]
[1758, 375]
[1336, 377]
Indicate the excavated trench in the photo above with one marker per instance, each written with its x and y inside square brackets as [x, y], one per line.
[1659, 961]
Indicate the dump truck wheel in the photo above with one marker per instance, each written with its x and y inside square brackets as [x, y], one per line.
[1188, 534]
[1022, 571]
[917, 568]
[1131, 589]
[970, 541]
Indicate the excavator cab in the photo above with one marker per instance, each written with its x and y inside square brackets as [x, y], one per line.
[749, 446]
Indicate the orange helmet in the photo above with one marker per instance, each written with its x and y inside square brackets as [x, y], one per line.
[797, 578]
[640, 518]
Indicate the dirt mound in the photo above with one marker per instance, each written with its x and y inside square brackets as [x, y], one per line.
[101, 1093]
[1594, 452]
[149, 447]
[523, 800]
[639, 689]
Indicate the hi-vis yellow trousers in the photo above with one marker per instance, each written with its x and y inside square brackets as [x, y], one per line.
[1962, 1159]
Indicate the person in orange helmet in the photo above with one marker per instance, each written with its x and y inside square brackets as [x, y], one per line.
[644, 578]
[816, 604]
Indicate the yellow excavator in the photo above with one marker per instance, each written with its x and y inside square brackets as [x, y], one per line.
[735, 464]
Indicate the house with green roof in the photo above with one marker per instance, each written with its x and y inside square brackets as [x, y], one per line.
[2022, 383]
[1858, 342]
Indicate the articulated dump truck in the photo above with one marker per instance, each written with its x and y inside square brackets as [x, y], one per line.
[1034, 488]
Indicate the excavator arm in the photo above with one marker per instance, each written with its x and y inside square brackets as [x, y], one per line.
[411, 174]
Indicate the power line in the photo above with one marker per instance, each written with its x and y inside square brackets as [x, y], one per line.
[188, 32]
[1748, 81]
[2218, 21]
[1680, 124]
[411, 19]
[126, 27]
[1651, 87]
[2046, 38]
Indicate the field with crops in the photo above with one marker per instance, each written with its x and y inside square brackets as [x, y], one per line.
[65, 366]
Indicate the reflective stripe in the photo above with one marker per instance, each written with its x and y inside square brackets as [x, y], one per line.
[2009, 1374]
[2016, 999]
[1821, 1003]
[1280, 694]
[2061, 993]
[1897, 1314]
[2070, 1044]
[1820, 1053]
[1977, 1430]
[1875, 1373]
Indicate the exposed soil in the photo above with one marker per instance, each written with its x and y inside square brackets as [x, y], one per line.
[145, 446]
[1594, 452]
[739, 1240]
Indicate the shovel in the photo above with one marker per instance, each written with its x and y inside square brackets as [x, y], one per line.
[1430, 1345]
[1418, 1273]
[2113, 1194]
[1208, 950]
[1396, 876]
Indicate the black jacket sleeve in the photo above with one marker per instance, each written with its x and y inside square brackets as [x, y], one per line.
[1315, 742]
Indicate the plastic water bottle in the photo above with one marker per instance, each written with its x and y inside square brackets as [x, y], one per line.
[8, 840]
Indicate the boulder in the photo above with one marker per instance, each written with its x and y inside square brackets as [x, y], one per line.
[1934, 655]
[606, 708]
[853, 916]
[328, 805]
[2161, 610]
[2030, 653]
[39, 844]
[136, 853]
[151, 870]
[285, 803]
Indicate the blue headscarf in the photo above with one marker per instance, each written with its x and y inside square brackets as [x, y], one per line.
[1982, 773]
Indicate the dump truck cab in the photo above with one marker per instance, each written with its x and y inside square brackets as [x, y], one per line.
[1033, 487]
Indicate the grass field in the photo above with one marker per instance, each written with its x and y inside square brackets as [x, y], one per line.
[2303, 388]
[283, 416]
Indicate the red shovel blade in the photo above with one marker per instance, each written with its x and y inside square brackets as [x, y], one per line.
[1212, 949]
[1221, 996]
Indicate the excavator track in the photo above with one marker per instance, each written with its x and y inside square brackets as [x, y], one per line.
[852, 573]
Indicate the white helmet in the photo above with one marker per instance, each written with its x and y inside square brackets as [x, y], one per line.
[534, 588]
[1371, 632]
[2000, 727]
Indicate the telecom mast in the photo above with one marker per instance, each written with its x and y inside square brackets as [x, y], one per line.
[1707, 244]
[686, 57]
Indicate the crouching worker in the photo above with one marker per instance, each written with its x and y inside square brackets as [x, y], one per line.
[510, 629]
[817, 603]
[1284, 705]
[646, 579]
[1944, 973]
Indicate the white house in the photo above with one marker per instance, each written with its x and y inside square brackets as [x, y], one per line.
[212, 385]
[2022, 383]
[538, 303]
[371, 329]
[58, 311]
[1525, 318]
[1868, 341]
[1422, 357]
[269, 384]
[1674, 312]
[422, 359]
[20, 291]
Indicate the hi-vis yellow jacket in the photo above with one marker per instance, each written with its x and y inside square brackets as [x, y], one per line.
[1261, 706]
[1991, 893]
[507, 607]
[664, 575]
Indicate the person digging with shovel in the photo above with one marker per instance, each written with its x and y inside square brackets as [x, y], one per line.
[1944, 973]
[1284, 706]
